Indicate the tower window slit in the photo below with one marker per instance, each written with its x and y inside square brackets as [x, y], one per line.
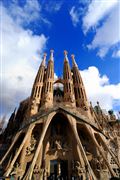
[41, 78]
[47, 86]
[38, 78]
[69, 87]
[49, 73]
[38, 91]
[79, 93]
[34, 90]
[82, 92]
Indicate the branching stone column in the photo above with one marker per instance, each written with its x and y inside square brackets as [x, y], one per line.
[115, 159]
[100, 150]
[19, 150]
[45, 127]
[81, 148]
[10, 148]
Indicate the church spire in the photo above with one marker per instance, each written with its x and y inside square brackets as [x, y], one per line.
[48, 83]
[35, 98]
[80, 94]
[68, 82]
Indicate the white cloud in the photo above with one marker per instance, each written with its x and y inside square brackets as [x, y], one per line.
[96, 11]
[108, 35]
[102, 18]
[74, 16]
[19, 59]
[99, 89]
[26, 14]
[30, 12]
[116, 54]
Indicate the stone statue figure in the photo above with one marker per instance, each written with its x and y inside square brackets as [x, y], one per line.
[31, 146]
[17, 171]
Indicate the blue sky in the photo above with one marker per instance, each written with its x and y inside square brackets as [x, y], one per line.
[90, 29]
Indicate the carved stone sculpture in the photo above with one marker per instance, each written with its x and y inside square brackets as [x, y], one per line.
[31, 146]
[17, 171]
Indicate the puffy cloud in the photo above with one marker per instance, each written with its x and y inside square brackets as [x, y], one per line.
[29, 12]
[96, 11]
[108, 34]
[20, 56]
[99, 89]
[102, 18]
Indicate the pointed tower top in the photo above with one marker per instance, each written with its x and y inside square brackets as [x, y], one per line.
[65, 53]
[51, 54]
[73, 61]
[44, 59]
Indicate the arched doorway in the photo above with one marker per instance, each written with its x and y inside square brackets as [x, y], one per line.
[59, 149]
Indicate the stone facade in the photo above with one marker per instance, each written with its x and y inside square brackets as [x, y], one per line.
[57, 134]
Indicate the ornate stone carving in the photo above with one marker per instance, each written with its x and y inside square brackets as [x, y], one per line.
[72, 100]
[33, 104]
[77, 169]
[17, 171]
[36, 169]
[58, 144]
[31, 146]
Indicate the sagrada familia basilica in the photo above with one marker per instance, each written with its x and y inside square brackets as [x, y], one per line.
[56, 134]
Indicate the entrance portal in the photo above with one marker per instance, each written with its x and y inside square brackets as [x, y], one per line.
[58, 169]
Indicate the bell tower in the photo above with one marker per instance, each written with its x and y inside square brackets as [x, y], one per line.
[68, 82]
[80, 94]
[48, 83]
[37, 88]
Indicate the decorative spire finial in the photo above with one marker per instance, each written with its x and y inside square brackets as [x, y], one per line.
[73, 60]
[72, 56]
[44, 59]
[45, 54]
[51, 54]
[65, 53]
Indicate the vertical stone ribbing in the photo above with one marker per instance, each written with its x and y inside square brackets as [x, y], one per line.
[68, 82]
[48, 83]
[80, 94]
[35, 98]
